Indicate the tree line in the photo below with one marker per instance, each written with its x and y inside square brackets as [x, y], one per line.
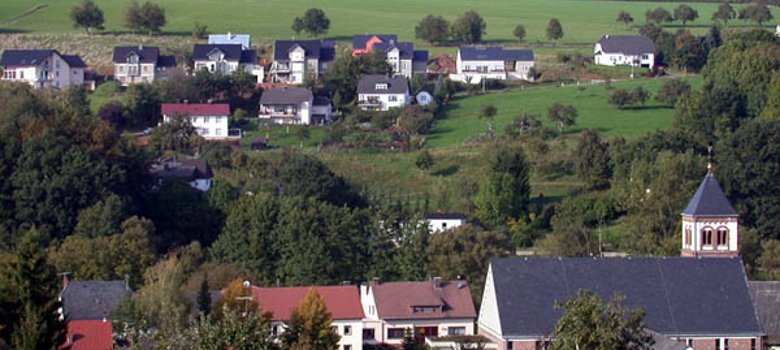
[148, 17]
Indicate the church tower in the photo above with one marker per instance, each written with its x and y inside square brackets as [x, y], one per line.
[710, 225]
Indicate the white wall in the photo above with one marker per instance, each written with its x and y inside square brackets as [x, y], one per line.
[201, 184]
[302, 116]
[619, 59]
[355, 338]
[210, 127]
[474, 71]
[438, 225]
[443, 326]
[401, 100]
[697, 225]
[145, 73]
[54, 72]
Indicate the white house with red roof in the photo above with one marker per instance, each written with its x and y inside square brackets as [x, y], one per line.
[429, 309]
[343, 302]
[210, 120]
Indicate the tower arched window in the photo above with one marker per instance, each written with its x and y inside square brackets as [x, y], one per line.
[688, 236]
[706, 236]
[722, 238]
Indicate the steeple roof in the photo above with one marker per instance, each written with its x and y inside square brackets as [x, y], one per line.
[709, 200]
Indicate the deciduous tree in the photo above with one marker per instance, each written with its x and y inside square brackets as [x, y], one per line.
[562, 115]
[152, 17]
[314, 21]
[625, 17]
[591, 160]
[469, 28]
[87, 15]
[133, 16]
[310, 326]
[554, 29]
[658, 16]
[519, 32]
[672, 90]
[685, 13]
[757, 12]
[724, 13]
[433, 29]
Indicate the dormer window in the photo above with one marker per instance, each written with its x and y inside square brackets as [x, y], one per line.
[381, 86]
[133, 58]
[425, 308]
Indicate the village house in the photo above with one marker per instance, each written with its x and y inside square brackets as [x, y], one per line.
[195, 171]
[440, 222]
[381, 93]
[294, 60]
[225, 59]
[294, 105]
[43, 68]
[141, 64]
[342, 302]
[401, 56]
[86, 307]
[700, 299]
[625, 50]
[231, 38]
[209, 120]
[425, 309]
[476, 63]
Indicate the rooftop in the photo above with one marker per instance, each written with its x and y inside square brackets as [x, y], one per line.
[92, 300]
[195, 109]
[24, 57]
[627, 44]
[397, 300]
[396, 85]
[494, 53]
[343, 302]
[709, 200]
[286, 96]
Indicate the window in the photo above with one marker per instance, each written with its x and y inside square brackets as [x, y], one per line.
[347, 330]
[456, 331]
[689, 342]
[645, 56]
[688, 236]
[381, 86]
[706, 237]
[392, 98]
[753, 344]
[206, 120]
[395, 333]
[725, 344]
[219, 132]
[717, 344]
[417, 309]
[723, 236]
[275, 330]
[21, 74]
[347, 347]
[368, 333]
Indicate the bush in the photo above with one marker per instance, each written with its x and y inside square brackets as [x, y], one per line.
[113, 113]
[424, 160]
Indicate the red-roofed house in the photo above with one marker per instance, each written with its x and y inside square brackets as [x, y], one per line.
[431, 309]
[343, 302]
[89, 335]
[210, 120]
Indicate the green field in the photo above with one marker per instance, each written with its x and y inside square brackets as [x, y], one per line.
[583, 21]
[462, 121]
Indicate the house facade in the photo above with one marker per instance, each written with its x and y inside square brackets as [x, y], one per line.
[381, 93]
[43, 68]
[288, 105]
[475, 63]
[401, 56]
[342, 302]
[294, 60]
[625, 50]
[209, 120]
[195, 171]
[427, 309]
[141, 64]
[225, 59]
[440, 222]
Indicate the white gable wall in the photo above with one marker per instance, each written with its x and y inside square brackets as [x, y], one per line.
[489, 320]
[439, 225]
[208, 126]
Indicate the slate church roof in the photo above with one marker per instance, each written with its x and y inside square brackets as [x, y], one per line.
[680, 296]
[709, 200]
[92, 300]
[766, 295]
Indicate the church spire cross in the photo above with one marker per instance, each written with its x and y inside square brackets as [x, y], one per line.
[709, 159]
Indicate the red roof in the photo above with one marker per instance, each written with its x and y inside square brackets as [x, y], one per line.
[89, 335]
[343, 302]
[195, 109]
[396, 300]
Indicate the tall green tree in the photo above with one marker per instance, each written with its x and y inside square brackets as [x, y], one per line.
[554, 30]
[658, 16]
[685, 13]
[562, 115]
[87, 15]
[314, 21]
[724, 13]
[625, 17]
[35, 297]
[433, 29]
[162, 300]
[133, 16]
[235, 330]
[588, 323]
[152, 17]
[504, 193]
[591, 160]
[310, 326]
[757, 12]
[469, 28]
[672, 90]
[519, 32]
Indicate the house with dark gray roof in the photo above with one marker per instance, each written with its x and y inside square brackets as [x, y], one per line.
[231, 38]
[475, 63]
[710, 225]
[295, 59]
[141, 64]
[625, 50]
[42, 68]
[401, 56]
[701, 302]
[378, 92]
[293, 105]
[91, 300]
[195, 171]
[225, 59]
[766, 296]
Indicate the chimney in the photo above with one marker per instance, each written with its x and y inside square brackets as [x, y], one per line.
[375, 280]
[437, 283]
[140, 47]
[230, 35]
[65, 279]
[346, 283]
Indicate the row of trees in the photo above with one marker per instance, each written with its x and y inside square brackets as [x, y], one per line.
[149, 16]
[757, 12]
[469, 29]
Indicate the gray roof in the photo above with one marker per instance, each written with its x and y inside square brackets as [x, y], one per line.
[74, 61]
[627, 44]
[405, 49]
[680, 296]
[146, 54]
[661, 342]
[766, 295]
[494, 53]
[286, 96]
[230, 38]
[232, 52]
[188, 169]
[92, 300]
[709, 200]
[359, 40]
[18, 58]
[395, 85]
[323, 50]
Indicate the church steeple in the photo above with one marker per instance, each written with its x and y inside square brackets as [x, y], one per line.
[710, 225]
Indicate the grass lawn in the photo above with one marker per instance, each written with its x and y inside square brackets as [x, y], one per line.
[583, 21]
[461, 115]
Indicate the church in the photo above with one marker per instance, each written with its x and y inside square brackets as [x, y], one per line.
[699, 300]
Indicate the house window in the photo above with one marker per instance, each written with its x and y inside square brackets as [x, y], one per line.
[219, 132]
[393, 98]
[717, 344]
[395, 333]
[689, 342]
[21, 74]
[456, 331]
[753, 344]
[347, 347]
[368, 333]
[645, 56]
[725, 344]
[275, 330]
[417, 309]
[347, 330]
[206, 120]
[688, 236]
[706, 237]
[723, 236]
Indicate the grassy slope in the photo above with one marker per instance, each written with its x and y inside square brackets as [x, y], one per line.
[462, 122]
[583, 21]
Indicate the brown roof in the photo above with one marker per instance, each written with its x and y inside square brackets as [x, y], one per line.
[396, 300]
[343, 302]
